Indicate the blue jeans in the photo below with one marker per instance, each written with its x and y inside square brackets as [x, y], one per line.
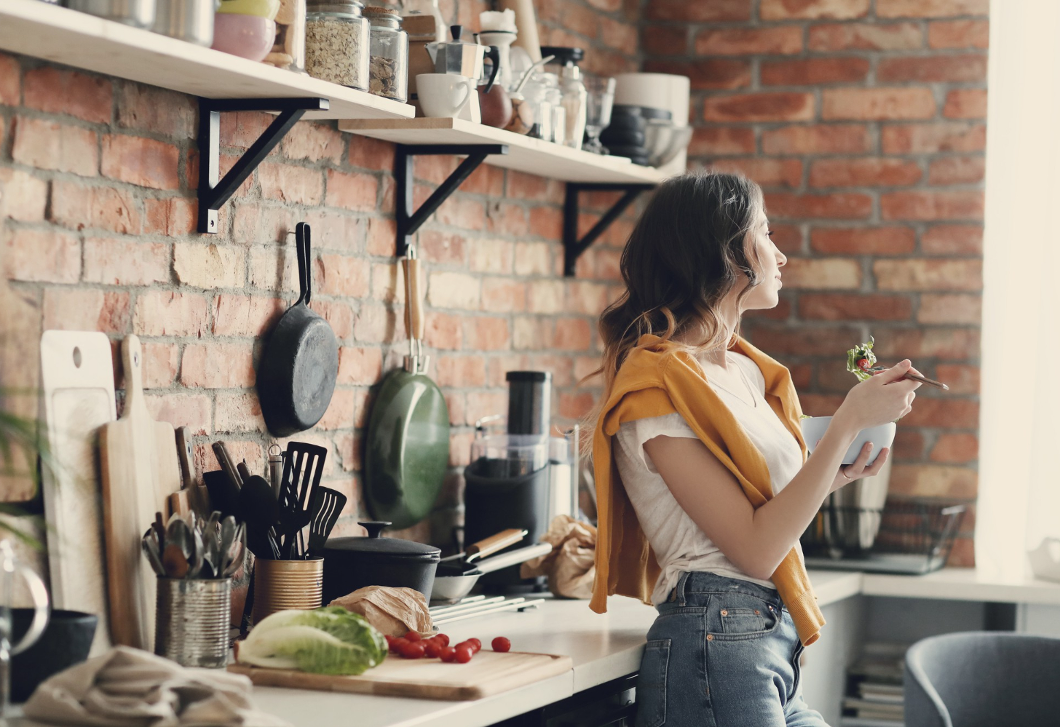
[722, 653]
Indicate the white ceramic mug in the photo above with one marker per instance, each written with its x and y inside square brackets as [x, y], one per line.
[444, 94]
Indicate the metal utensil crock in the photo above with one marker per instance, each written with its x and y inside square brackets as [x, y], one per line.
[192, 621]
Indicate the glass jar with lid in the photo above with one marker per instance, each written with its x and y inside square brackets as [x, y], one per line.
[559, 114]
[288, 50]
[388, 73]
[337, 43]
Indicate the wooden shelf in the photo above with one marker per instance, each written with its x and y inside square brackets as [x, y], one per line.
[84, 41]
[532, 156]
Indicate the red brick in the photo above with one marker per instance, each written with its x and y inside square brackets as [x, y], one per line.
[388, 283]
[953, 240]
[813, 9]
[933, 138]
[545, 222]
[575, 406]
[531, 332]
[240, 129]
[39, 256]
[766, 172]
[953, 309]
[877, 103]
[442, 248]
[863, 240]
[533, 187]
[930, 8]
[508, 219]
[663, 40]
[314, 142]
[865, 36]
[487, 334]
[147, 108]
[959, 34]
[908, 445]
[22, 196]
[77, 207]
[360, 365]
[749, 41]
[819, 405]
[938, 412]
[161, 362]
[532, 258]
[787, 238]
[380, 236]
[293, 184]
[210, 265]
[372, 154]
[60, 91]
[342, 411]
[962, 554]
[706, 73]
[125, 261]
[546, 296]
[486, 403]
[168, 313]
[245, 315]
[86, 309]
[571, 334]
[50, 145]
[835, 307]
[817, 139]
[10, 81]
[618, 35]
[217, 365]
[586, 297]
[444, 331]
[916, 344]
[790, 205]
[340, 275]
[453, 290]
[869, 172]
[956, 170]
[467, 371]
[749, 107]
[468, 214]
[831, 341]
[814, 71]
[192, 411]
[961, 378]
[139, 161]
[821, 273]
[502, 295]
[956, 448]
[965, 103]
[173, 216]
[487, 179]
[933, 481]
[933, 69]
[699, 12]
[928, 275]
[337, 313]
[721, 141]
[580, 19]
[492, 256]
[957, 205]
[609, 6]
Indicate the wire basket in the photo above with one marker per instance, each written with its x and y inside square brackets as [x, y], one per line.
[902, 537]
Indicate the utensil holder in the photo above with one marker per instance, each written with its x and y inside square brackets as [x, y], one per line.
[192, 621]
[284, 584]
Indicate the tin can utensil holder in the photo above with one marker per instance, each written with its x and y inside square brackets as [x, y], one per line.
[285, 584]
[192, 621]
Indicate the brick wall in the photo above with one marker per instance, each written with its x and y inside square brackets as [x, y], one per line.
[864, 122]
[97, 219]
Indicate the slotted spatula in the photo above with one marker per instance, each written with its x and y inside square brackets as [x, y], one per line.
[302, 470]
[326, 507]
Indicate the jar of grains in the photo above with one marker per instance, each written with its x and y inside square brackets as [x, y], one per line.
[389, 65]
[336, 43]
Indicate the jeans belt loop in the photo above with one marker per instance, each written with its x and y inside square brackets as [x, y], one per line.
[682, 584]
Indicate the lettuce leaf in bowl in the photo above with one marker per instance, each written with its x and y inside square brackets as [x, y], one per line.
[327, 640]
[861, 352]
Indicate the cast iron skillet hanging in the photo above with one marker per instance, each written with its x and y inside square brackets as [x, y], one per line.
[407, 445]
[296, 376]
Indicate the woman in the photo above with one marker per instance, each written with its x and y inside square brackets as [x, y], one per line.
[703, 482]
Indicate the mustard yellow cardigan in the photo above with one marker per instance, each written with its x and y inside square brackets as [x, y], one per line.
[659, 378]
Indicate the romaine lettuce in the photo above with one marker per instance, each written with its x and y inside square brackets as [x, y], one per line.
[327, 640]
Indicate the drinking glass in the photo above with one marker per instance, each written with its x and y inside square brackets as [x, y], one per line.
[9, 568]
[601, 94]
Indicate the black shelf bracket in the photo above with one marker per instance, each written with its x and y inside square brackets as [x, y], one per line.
[409, 221]
[213, 193]
[572, 246]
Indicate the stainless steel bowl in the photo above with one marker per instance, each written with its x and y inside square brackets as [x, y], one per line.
[138, 13]
[852, 514]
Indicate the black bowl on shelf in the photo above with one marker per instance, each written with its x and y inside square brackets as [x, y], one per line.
[65, 642]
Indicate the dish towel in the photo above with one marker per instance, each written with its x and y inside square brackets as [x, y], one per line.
[570, 566]
[131, 688]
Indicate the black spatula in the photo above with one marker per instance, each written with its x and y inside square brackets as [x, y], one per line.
[326, 507]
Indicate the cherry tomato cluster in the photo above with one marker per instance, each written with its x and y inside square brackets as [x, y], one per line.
[413, 646]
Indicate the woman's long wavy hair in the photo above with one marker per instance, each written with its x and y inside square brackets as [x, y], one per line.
[687, 252]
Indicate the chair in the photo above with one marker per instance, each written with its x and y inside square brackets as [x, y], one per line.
[983, 679]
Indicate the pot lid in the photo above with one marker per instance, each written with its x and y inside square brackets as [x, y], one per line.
[374, 544]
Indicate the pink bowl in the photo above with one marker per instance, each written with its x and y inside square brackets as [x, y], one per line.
[247, 36]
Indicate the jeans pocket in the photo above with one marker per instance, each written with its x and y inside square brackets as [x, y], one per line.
[740, 616]
[651, 684]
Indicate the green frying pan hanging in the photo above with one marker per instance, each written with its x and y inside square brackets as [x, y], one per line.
[407, 447]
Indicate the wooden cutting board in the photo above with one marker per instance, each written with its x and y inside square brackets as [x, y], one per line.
[77, 376]
[138, 458]
[490, 672]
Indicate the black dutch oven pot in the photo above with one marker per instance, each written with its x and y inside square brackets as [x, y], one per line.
[352, 563]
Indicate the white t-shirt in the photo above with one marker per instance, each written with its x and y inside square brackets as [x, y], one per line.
[678, 542]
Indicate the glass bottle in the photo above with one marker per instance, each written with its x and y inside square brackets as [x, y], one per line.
[574, 101]
[337, 43]
[428, 7]
[288, 51]
[555, 101]
[388, 73]
[536, 92]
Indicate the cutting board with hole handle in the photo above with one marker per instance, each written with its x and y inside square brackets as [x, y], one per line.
[138, 458]
[77, 380]
[488, 673]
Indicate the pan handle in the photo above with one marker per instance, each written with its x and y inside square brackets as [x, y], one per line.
[305, 279]
[514, 557]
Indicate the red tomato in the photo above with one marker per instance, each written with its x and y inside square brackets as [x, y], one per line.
[432, 648]
[442, 638]
[863, 364]
[501, 644]
[415, 650]
[448, 653]
[476, 643]
[397, 644]
[413, 636]
[463, 654]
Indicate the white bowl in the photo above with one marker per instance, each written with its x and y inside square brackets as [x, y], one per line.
[813, 428]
